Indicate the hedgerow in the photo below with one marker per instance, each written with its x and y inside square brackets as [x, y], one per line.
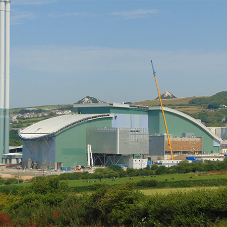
[116, 171]
[54, 204]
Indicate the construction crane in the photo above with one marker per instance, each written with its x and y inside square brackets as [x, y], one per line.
[163, 113]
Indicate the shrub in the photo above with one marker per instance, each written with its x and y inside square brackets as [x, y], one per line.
[8, 181]
[46, 185]
[161, 170]
[113, 206]
[147, 183]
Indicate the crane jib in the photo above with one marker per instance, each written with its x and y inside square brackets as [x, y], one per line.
[163, 113]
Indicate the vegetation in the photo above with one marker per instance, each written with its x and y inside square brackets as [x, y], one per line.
[14, 139]
[39, 109]
[25, 122]
[212, 118]
[209, 109]
[114, 171]
[217, 99]
[50, 202]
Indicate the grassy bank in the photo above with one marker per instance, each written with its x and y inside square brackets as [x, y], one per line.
[50, 202]
[165, 191]
[168, 178]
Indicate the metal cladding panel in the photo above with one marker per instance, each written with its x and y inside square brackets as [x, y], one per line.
[102, 140]
[216, 143]
[137, 121]
[154, 117]
[143, 121]
[71, 145]
[130, 121]
[109, 108]
[224, 133]
[118, 140]
[157, 145]
[39, 150]
[93, 110]
[121, 110]
[133, 141]
[120, 120]
[187, 135]
[218, 132]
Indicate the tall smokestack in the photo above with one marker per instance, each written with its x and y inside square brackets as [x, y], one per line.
[7, 75]
[2, 76]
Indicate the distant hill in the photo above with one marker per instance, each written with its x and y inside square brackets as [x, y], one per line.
[212, 110]
[167, 95]
[166, 102]
[89, 99]
[219, 99]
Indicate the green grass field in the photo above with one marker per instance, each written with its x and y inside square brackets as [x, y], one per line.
[164, 191]
[169, 177]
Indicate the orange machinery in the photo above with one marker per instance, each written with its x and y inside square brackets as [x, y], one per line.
[167, 132]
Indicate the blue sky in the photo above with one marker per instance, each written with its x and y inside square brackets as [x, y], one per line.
[62, 51]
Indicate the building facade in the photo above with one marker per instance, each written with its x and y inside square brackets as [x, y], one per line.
[116, 133]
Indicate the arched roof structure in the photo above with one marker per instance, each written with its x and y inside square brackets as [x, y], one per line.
[193, 120]
[53, 126]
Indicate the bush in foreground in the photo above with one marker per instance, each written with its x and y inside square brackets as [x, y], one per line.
[50, 202]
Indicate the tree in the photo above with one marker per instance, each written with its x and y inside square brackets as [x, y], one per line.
[213, 106]
[116, 206]
[161, 170]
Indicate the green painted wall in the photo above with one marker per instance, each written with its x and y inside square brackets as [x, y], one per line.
[71, 145]
[93, 110]
[119, 110]
[178, 125]
[153, 121]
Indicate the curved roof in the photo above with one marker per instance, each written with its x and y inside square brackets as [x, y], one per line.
[55, 125]
[197, 122]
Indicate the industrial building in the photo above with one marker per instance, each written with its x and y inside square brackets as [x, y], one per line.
[115, 133]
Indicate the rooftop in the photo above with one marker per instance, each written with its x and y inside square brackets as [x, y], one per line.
[122, 105]
[55, 125]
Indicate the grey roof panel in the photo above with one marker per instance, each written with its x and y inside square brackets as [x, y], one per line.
[53, 126]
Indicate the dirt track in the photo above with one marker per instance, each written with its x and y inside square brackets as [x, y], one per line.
[15, 176]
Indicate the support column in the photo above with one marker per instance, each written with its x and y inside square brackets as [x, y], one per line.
[88, 155]
[118, 141]
[104, 159]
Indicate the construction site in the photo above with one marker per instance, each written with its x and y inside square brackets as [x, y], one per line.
[102, 134]
[116, 133]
